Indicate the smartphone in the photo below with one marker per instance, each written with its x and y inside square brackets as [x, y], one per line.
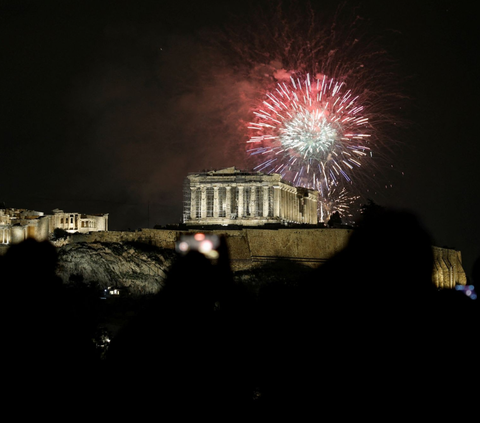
[206, 244]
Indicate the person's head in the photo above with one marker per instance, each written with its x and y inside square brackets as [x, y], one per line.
[393, 251]
[31, 262]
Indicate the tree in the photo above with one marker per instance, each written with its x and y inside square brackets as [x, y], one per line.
[59, 233]
[371, 209]
[335, 220]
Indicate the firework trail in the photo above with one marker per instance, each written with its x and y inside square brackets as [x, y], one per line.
[313, 132]
[335, 199]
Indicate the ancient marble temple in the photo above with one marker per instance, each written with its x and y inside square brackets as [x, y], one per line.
[230, 196]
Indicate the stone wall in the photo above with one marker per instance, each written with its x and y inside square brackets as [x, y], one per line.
[246, 246]
[251, 247]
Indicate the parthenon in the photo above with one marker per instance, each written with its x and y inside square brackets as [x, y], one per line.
[230, 196]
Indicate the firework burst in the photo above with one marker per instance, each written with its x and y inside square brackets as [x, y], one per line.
[313, 132]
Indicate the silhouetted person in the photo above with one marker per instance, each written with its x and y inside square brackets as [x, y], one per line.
[360, 326]
[190, 347]
[47, 351]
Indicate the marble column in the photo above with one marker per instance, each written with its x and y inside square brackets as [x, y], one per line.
[240, 201]
[280, 202]
[203, 202]
[276, 201]
[289, 205]
[253, 201]
[265, 201]
[228, 200]
[193, 203]
[215, 201]
[292, 202]
[296, 210]
[308, 209]
[293, 205]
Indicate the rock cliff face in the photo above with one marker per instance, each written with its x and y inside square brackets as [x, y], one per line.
[133, 267]
[138, 269]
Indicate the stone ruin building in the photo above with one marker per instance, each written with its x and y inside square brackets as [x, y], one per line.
[78, 222]
[234, 197]
[17, 225]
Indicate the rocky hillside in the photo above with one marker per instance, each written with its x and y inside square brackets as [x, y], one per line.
[133, 267]
[140, 268]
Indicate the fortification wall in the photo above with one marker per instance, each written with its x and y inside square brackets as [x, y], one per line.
[247, 247]
[252, 247]
[158, 237]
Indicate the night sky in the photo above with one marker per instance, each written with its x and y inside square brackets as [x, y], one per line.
[107, 105]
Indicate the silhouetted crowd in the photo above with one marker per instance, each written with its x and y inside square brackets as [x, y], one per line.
[366, 331]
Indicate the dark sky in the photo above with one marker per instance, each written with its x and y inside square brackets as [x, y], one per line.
[107, 105]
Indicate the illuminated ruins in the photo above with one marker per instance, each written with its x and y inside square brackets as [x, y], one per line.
[233, 197]
[17, 225]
